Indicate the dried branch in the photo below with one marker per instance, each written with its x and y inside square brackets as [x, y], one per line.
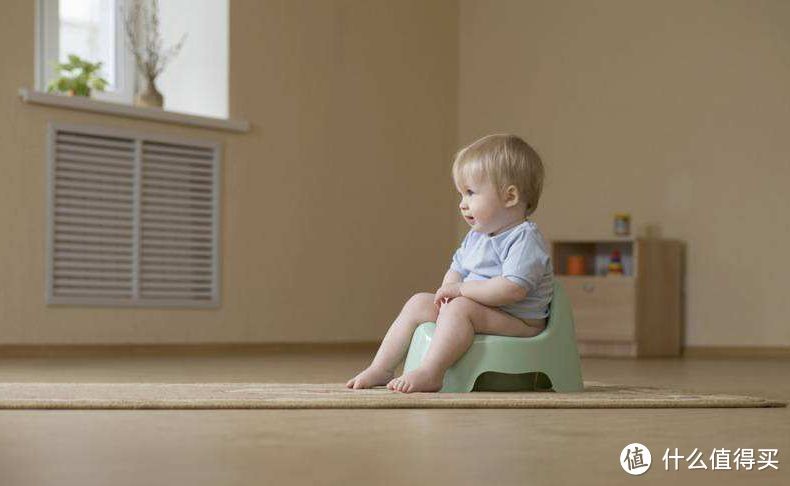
[142, 32]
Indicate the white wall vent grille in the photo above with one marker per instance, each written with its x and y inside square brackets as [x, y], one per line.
[133, 219]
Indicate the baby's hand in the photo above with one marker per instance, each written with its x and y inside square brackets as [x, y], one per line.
[448, 291]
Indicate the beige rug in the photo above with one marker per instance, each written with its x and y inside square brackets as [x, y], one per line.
[336, 395]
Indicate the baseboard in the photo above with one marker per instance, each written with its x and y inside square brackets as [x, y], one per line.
[67, 350]
[593, 349]
[736, 352]
[106, 350]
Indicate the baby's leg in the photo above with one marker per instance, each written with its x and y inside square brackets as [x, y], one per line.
[457, 324]
[418, 309]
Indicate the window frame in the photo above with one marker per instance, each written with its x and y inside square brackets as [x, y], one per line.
[47, 50]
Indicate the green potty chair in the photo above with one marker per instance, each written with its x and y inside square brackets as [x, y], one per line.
[549, 360]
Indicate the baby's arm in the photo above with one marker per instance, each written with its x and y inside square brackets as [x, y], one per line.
[452, 277]
[493, 292]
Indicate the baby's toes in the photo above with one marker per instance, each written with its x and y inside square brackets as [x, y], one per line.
[396, 384]
[360, 384]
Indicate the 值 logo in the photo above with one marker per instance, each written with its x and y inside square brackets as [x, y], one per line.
[635, 459]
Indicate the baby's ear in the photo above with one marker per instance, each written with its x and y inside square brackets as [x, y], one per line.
[511, 196]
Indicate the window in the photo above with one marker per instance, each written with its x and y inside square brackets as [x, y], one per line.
[91, 30]
[132, 219]
[94, 30]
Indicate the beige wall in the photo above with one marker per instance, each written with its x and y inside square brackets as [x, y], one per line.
[337, 206]
[335, 209]
[676, 111]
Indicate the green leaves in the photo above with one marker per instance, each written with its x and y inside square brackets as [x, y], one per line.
[77, 77]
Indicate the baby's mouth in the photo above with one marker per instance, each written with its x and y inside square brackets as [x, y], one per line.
[469, 218]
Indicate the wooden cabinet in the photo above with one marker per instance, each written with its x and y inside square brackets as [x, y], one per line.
[633, 314]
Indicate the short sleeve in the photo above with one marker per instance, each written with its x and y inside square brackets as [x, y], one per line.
[525, 261]
[458, 256]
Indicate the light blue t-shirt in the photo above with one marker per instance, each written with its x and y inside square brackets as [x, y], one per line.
[521, 255]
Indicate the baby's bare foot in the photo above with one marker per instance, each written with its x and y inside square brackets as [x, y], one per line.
[420, 380]
[370, 377]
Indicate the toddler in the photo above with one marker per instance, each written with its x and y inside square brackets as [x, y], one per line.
[500, 279]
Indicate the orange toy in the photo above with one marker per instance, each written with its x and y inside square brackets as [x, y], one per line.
[576, 265]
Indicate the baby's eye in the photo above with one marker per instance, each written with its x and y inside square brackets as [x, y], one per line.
[469, 192]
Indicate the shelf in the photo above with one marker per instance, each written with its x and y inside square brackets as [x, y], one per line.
[597, 277]
[87, 104]
[596, 254]
[636, 314]
[604, 239]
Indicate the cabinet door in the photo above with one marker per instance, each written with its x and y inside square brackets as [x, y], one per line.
[603, 307]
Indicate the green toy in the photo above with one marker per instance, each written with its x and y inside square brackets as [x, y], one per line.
[503, 363]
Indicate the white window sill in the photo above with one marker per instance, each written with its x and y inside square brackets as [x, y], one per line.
[107, 108]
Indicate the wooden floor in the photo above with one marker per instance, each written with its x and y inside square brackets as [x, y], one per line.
[368, 447]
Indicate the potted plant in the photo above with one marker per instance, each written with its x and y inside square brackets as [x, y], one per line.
[77, 77]
[142, 32]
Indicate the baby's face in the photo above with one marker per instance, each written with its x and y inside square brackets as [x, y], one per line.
[481, 206]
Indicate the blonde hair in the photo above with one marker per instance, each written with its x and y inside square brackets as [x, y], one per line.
[503, 160]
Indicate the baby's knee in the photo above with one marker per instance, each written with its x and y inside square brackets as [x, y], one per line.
[458, 306]
[420, 299]
[421, 306]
